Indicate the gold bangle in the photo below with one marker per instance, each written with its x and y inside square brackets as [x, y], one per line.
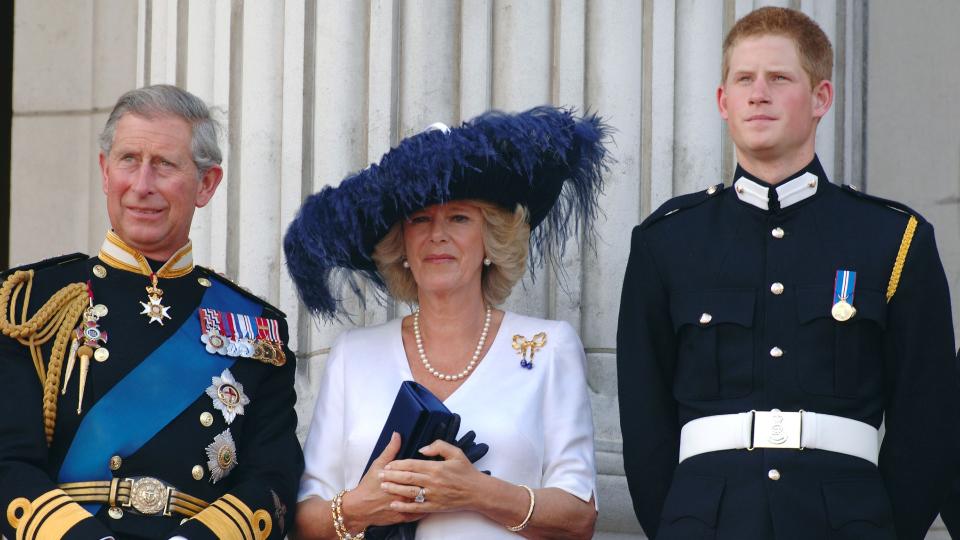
[336, 509]
[526, 520]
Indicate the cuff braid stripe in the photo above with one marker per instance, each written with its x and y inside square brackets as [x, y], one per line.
[229, 517]
[50, 515]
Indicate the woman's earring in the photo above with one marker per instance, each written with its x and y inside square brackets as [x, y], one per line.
[406, 263]
[487, 261]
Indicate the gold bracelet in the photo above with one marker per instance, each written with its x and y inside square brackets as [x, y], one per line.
[336, 508]
[526, 520]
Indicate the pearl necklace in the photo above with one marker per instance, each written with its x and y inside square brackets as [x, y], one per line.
[473, 361]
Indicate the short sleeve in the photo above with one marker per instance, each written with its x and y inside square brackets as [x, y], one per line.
[323, 474]
[569, 462]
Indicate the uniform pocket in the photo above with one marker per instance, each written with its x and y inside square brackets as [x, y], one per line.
[837, 358]
[858, 508]
[692, 507]
[715, 343]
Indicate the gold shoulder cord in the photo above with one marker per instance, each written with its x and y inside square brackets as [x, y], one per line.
[901, 257]
[55, 319]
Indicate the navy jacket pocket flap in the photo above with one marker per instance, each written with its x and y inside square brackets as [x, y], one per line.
[711, 307]
[816, 301]
[695, 497]
[857, 499]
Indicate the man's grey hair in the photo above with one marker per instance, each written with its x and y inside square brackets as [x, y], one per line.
[163, 100]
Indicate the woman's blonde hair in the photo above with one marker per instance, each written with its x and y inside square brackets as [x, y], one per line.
[506, 241]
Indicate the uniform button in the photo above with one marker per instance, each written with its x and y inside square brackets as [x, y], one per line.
[773, 474]
[711, 190]
[99, 271]
[812, 183]
[776, 352]
[777, 232]
[776, 288]
[197, 472]
[204, 281]
[706, 318]
[115, 463]
[115, 513]
[206, 419]
[740, 189]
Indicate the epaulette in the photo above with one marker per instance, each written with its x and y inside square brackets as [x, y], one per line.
[850, 189]
[242, 290]
[682, 202]
[47, 263]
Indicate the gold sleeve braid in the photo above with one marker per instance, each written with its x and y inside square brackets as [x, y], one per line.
[901, 257]
[50, 515]
[55, 319]
[229, 517]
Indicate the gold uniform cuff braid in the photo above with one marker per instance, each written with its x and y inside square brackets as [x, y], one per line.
[336, 509]
[526, 520]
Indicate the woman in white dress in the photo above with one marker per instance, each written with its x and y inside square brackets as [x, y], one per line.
[444, 222]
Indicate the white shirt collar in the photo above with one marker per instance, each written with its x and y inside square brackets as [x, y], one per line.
[788, 193]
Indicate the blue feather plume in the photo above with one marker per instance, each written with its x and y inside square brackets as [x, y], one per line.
[546, 158]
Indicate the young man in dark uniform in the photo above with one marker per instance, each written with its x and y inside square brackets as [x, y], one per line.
[767, 329]
[144, 396]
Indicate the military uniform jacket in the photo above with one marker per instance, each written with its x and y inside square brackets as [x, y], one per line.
[166, 421]
[726, 308]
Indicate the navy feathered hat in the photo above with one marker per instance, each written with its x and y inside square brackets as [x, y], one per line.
[546, 159]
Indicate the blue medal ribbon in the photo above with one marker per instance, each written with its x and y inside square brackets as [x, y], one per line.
[844, 286]
[148, 398]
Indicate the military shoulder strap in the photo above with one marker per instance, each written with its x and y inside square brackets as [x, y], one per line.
[682, 202]
[270, 309]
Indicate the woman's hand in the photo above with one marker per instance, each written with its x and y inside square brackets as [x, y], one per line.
[449, 485]
[367, 504]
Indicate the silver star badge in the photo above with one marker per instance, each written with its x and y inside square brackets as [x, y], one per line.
[227, 395]
[155, 310]
[221, 456]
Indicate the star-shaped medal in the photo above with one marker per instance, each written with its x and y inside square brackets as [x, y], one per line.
[227, 395]
[221, 456]
[155, 310]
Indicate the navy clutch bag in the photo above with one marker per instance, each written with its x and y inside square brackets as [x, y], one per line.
[419, 417]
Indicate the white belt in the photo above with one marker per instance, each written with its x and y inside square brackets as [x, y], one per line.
[776, 429]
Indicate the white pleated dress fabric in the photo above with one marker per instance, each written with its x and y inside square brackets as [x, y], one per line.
[537, 421]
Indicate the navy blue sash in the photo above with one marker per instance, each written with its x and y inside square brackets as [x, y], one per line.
[148, 398]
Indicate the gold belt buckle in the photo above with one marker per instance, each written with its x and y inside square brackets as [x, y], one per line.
[777, 429]
[149, 496]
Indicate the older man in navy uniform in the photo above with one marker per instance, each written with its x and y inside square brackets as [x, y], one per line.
[767, 329]
[145, 396]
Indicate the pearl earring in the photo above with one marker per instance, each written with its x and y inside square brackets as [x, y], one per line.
[406, 263]
[487, 261]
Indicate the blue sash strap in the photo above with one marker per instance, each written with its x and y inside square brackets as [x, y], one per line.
[148, 398]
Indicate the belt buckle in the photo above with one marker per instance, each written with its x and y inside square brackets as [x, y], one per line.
[149, 496]
[777, 429]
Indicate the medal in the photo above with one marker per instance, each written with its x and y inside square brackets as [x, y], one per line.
[843, 291]
[221, 456]
[87, 340]
[153, 308]
[227, 395]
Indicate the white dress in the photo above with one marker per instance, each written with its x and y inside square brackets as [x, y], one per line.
[537, 421]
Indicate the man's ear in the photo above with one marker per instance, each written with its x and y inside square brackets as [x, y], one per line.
[722, 102]
[103, 172]
[822, 98]
[208, 185]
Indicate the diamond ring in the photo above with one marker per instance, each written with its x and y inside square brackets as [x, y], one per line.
[420, 496]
